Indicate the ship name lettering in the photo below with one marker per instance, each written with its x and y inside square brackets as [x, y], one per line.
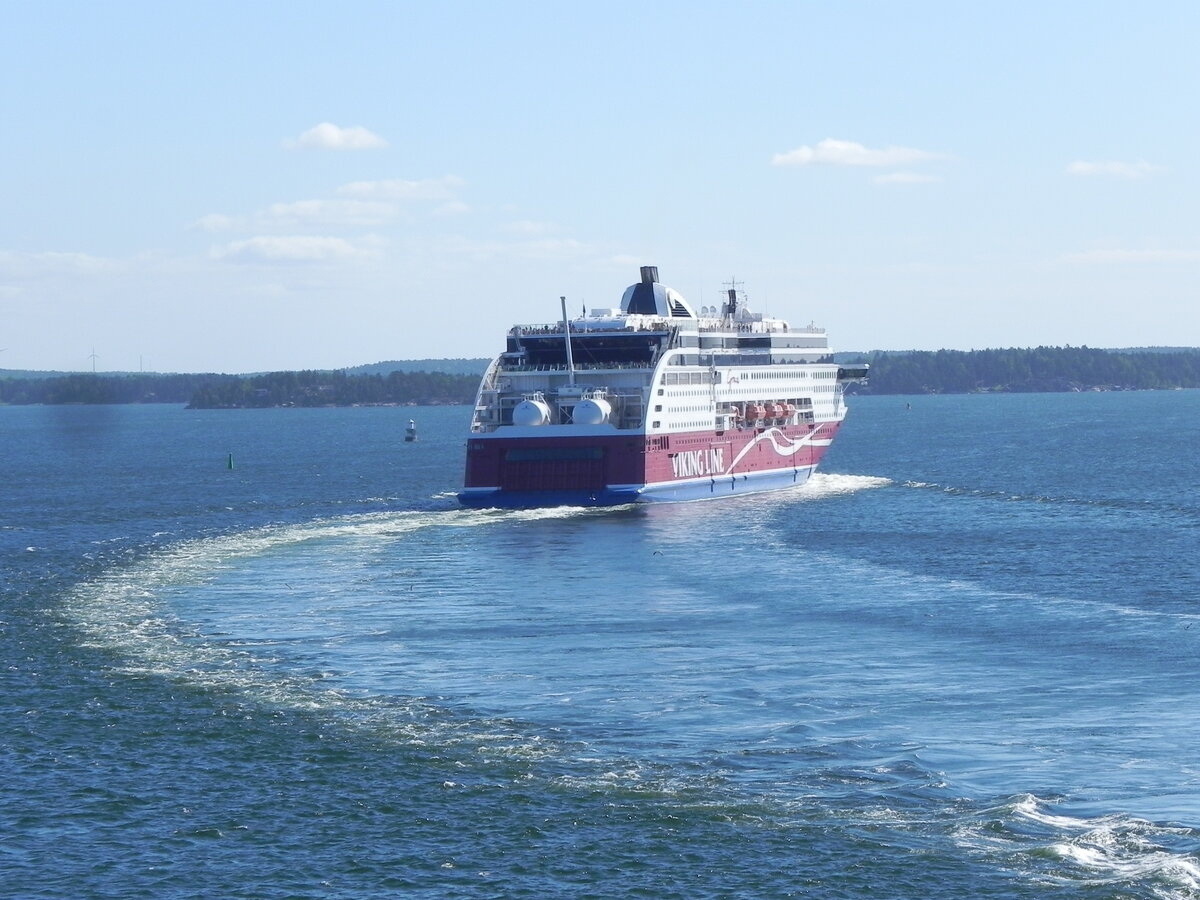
[693, 463]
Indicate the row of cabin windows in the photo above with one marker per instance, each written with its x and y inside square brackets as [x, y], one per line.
[687, 378]
[801, 403]
[677, 408]
[706, 392]
[785, 373]
[696, 423]
[676, 378]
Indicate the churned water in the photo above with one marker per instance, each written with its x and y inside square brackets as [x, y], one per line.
[961, 662]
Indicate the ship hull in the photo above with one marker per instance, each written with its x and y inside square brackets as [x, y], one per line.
[653, 402]
[537, 471]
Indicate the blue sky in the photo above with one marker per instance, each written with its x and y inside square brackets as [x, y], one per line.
[250, 186]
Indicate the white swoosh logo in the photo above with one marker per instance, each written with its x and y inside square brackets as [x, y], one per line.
[783, 445]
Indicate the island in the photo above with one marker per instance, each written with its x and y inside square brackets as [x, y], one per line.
[452, 382]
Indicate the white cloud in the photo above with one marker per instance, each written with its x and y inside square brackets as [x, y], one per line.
[303, 214]
[1114, 168]
[327, 212]
[905, 178]
[1103, 257]
[551, 249]
[360, 204]
[529, 228]
[290, 249]
[453, 208]
[848, 153]
[443, 188]
[328, 136]
[49, 264]
[214, 222]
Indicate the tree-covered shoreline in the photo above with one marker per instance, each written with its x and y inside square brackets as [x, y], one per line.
[1028, 370]
[338, 388]
[272, 389]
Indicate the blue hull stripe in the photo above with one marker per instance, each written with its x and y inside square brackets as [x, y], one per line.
[664, 492]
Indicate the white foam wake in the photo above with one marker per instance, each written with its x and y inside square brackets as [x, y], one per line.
[1117, 850]
[127, 613]
[831, 484]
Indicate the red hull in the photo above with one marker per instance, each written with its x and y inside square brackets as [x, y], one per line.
[595, 463]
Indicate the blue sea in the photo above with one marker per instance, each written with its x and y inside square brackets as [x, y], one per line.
[264, 654]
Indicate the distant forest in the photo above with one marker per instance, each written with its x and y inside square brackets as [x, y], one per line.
[892, 372]
[1028, 370]
[473, 367]
[60, 388]
[307, 388]
[335, 389]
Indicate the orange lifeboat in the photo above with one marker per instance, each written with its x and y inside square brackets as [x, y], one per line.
[755, 411]
[788, 410]
[774, 410]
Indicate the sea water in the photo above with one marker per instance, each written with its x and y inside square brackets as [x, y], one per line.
[263, 654]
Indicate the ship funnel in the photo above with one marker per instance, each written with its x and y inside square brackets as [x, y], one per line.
[649, 274]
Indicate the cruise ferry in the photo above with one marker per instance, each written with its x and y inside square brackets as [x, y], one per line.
[654, 400]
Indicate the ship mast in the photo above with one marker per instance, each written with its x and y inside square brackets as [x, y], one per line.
[567, 339]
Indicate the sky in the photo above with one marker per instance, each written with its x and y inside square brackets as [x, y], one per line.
[253, 186]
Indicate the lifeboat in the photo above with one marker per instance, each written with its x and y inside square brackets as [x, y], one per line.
[755, 411]
[788, 410]
[774, 410]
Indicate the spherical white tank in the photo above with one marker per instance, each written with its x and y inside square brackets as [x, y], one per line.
[531, 412]
[592, 411]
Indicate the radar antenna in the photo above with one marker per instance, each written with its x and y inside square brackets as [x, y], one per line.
[731, 294]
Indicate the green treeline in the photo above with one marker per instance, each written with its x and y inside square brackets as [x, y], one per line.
[892, 372]
[234, 391]
[91, 388]
[310, 388]
[1029, 370]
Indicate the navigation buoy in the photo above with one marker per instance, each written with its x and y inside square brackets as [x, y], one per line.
[410, 433]
[231, 462]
